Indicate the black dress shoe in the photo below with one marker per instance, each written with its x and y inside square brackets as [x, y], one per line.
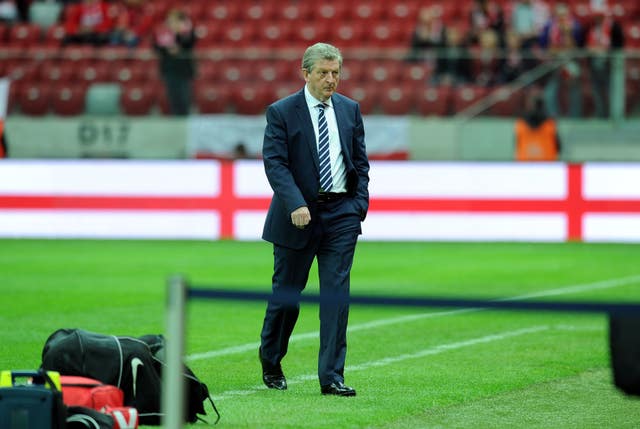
[272, 376]
[275, 381]
[338, 389]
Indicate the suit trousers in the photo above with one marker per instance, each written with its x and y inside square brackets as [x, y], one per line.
[333, 243]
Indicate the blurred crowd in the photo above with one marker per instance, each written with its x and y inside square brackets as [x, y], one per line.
[501, 42]
[95, 22]
[485, 43]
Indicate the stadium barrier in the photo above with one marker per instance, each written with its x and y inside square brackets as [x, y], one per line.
[179, 292]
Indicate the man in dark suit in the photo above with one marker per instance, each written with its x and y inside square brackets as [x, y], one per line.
[316, 162]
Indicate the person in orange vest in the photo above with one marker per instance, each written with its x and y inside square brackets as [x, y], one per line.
[536, 134]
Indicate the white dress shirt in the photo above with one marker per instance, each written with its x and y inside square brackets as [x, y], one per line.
[338, 172]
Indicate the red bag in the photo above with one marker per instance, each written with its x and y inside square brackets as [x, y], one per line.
[90, 393]
[123, 417]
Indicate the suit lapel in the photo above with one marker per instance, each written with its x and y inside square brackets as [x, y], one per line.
[341, 114]
[307, 128]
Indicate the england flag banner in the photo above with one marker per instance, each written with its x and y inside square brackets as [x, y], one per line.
[409, 201]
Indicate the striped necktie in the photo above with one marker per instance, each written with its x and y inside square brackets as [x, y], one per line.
[326, 182]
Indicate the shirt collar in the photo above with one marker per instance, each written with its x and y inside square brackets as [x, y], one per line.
[312, 102]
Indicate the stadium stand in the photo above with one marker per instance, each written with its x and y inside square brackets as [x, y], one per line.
[245, 48]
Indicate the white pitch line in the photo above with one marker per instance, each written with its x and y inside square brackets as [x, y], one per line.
[586, 287]
[441, 348]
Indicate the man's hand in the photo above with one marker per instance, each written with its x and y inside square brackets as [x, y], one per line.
[301, 217]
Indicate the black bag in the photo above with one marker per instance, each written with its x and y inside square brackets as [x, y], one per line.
[126, 362]
[34, 405]
[197, 392]
[624, 342]
[88, 418]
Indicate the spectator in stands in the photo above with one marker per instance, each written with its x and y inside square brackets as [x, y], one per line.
[604, 36]
[8, 11]
[174, 42]
[428, 35]
[560, 37]
[133, 22]
[88, 22]
[487, 72]
[528, 18]
[536, 134]
[453, 66]
[485, 14]
[516, 60]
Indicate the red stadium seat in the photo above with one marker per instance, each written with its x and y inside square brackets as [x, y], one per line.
[397, 99]
[34, 99]
[284, 89]
[194, 10]
[131, 71]
[258, 11]
[239, 34]
[347, 34]
[211, 98]
[251, 99]
[383, 70]
[366, 10]
[434, 101]
[403, 11]
[509, 104]
[68, 99]
[333, 12]
[208, 34]
[383, 34]
[451, 12]
[222, 11]
[466, 95]
[208, 70]
[352, 71]
[273, 71]
[365, 94]
[416, 72]
[24, 35]
[79, 56]
[309, 32]
[632, 35]
[96, 71]
[26, 70]
[138, 99]
[236, 70]
[299, 11]
[275, 34]
[54, 35]
[56, 71]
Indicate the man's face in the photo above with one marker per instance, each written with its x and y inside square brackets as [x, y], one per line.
[323, 80]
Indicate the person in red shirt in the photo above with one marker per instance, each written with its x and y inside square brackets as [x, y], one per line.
[134, 20]
[88, 22]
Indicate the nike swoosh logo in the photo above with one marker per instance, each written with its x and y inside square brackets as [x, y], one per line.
[135, 363]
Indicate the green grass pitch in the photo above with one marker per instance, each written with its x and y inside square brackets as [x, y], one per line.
[412, 368]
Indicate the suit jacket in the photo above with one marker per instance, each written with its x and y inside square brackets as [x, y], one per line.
[290, 157]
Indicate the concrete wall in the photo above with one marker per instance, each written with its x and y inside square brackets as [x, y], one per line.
[489, 139]
[481, 139]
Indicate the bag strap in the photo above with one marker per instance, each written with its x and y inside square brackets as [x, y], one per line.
[85, 420]
[214, 409]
